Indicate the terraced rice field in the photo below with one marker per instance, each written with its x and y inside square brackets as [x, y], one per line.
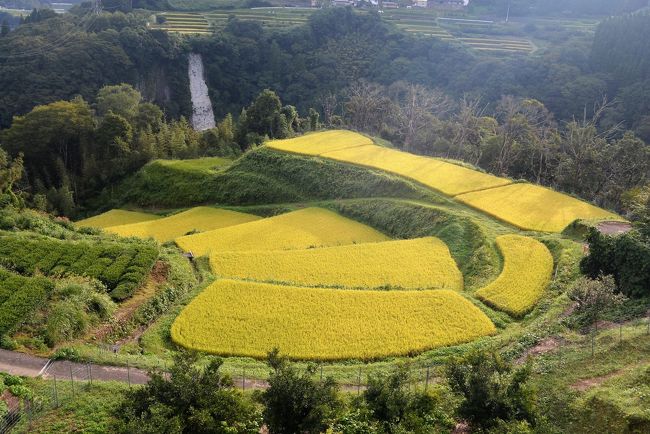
[527, 269]
[303, 229]
[449, 178]
[416, 21]
[116, 217]
[423, 263]
[185, 23]
[195, 219]
[525, 206]
[532, 207]
[511, 45]
[319, 143]
[250, 319]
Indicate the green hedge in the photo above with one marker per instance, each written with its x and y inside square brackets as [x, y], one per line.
[19, 297]
[121, 267]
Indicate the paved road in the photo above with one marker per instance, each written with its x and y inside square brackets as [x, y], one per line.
[27, 365]
[32, 366]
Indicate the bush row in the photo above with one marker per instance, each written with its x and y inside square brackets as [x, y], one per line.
[19, 297]
[121, 267]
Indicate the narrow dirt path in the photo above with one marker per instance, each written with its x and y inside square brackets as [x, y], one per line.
[613, 228]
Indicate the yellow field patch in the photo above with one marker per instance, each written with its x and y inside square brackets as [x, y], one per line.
[250, 319]
[318, 143]
[350, 147]
[532, 207]
[115, 217]
[201, 218]
[423, 263]
[303, 229]
[527, 270]
[451, 179]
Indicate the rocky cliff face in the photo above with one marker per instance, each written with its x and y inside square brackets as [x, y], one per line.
[202, 115]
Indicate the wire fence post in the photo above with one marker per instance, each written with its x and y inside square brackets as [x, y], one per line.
[56, 394]
[321, 373]
[359, 381]
[90, 373]
[243, 379]
[128, 373]
[593, 339]
[620, 333]
[72, 382]
[426, 381]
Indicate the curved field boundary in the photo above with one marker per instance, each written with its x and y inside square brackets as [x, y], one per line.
[200, 218]
[526, 206]
[115, 217]
[532, 207]
[303, 229]
[423, 263]
[250, 319]
[527, 269]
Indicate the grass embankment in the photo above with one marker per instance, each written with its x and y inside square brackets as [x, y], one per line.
[261, 176]
[609, 389]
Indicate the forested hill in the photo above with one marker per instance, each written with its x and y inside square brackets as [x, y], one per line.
[621, 50]
[56, 57]
[559, 7]
[49, 59]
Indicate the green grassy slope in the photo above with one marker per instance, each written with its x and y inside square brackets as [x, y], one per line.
[261, 176]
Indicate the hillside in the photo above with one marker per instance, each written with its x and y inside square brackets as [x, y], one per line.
[357, 264]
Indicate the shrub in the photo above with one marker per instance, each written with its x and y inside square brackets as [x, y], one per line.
[626, 257]
[491, 390]
[20, 296]
[116, 264]
[297, 403]
[189, 400]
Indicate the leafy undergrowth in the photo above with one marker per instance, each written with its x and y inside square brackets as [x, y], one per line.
[89, 410]
[611, 386]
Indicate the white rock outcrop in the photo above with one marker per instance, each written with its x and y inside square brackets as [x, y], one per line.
[202, 114]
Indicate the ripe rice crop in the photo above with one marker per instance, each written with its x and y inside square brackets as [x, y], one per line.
[423, 263]
[532, 207]
[319, 143]
[350, 147]
[250, 319]
[448, 178]
[116, 217]
[304, 229]
[527, 268]
[201, 218]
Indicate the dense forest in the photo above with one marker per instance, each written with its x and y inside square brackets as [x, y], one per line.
[574, 117]
[335, 49]
[558, 7]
